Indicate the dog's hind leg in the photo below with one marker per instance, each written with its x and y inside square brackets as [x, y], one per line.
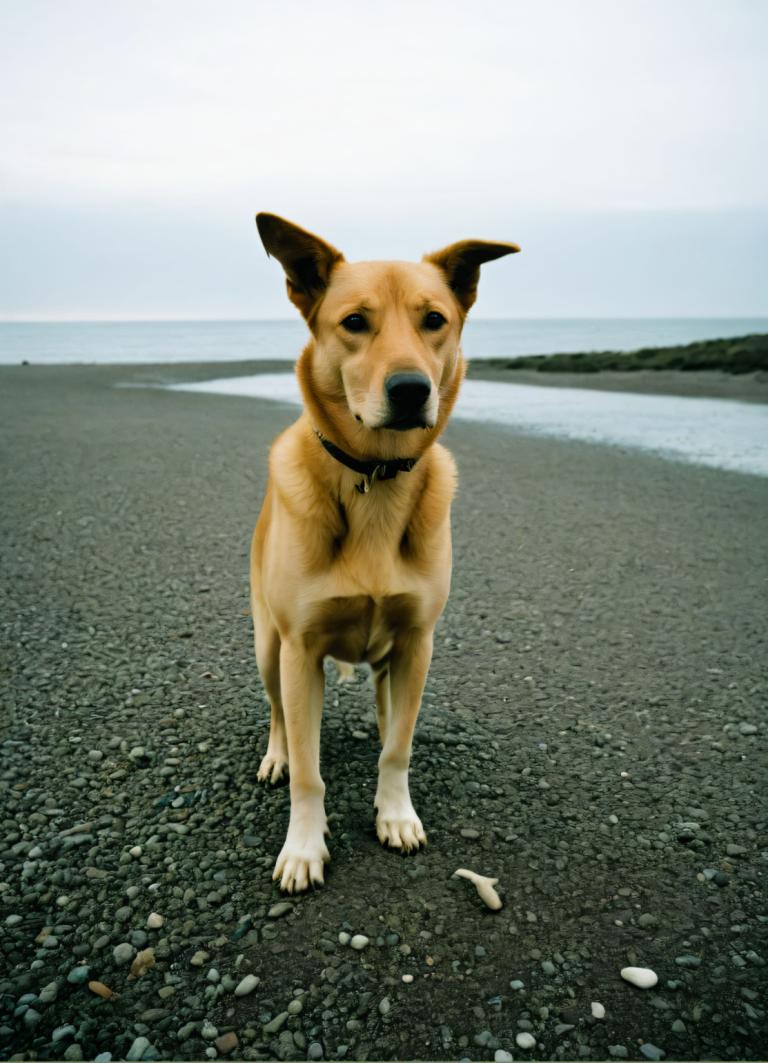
[346, 671]
[274, 764]
[383, 700]
[396, 822]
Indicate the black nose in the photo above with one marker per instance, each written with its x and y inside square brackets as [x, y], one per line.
[407, 392]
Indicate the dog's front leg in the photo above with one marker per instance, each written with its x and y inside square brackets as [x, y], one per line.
[301, 859]
[396, 822]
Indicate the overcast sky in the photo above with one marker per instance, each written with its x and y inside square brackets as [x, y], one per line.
[622, 144]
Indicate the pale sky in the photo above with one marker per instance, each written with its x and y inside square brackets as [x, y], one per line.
[622, 144]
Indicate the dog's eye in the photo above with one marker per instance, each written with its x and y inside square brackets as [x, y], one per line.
[433, 321]
[354, 323]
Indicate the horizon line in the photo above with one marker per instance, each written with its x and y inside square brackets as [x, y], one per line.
[180, 320]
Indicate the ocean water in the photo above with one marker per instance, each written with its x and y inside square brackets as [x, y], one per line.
[720, 433]
[134, 342]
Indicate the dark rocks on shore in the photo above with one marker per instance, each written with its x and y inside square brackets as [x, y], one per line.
[743, 354]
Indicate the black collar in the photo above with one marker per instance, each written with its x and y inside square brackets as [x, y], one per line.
[371, 470]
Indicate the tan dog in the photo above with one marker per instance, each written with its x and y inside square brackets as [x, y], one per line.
[351, 556]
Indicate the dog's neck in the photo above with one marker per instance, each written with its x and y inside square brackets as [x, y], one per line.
[372, 470]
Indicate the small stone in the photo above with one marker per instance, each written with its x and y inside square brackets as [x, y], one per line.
[735, 850]
[597, 1009]
[209, 1031]
[227, 1043]
[123, 953]
[136, 851]
[103, 1057]
[646, 920]
[747, 728]
[470, 832]
[500, 1056]
[548, 967]
[154, 921]
[678, 1026]
[279, 909]
[617, 1051]
[407, 978]
[295, 1007]
[63, 1031]
[13, 920]
[642, 977]
[359, 942]
[276, 1024]
[652, 1052]
[525, 1040]
[74, 1053]
[78, 975]
[246, 986]
[199, 958]
[688, 961]
[48, 993]
[137, 1049]
[385, 1006]
[516, 984]
[315, 1050]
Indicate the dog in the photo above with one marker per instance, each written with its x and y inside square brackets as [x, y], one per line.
[351, 555]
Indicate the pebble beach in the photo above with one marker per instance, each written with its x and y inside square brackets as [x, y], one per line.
[593, 736]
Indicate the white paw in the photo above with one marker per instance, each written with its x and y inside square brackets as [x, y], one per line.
[273, 768]
[400, 829]
[300, 865]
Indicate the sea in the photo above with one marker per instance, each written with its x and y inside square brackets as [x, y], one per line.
[134, 342]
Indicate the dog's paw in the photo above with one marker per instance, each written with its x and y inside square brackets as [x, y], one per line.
[300, 866]
[273, 768]
[400, 831]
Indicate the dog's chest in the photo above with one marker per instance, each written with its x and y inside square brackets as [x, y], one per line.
[360, 627]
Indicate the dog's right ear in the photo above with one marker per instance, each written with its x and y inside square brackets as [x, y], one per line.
[307, 260]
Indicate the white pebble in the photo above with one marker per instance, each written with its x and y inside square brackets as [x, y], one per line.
[359, 941]
[642, 977]
[407, 978]
[344, 938]
[154, 921]
[136, 850]
[525, 1040]
[598, 1011]
[502, 1057]
[247, 985]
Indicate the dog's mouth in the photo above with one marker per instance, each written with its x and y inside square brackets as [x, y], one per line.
[405, 424]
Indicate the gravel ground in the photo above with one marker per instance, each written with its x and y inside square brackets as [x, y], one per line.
[593, 734]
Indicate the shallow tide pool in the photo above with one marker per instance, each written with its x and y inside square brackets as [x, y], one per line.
[720, 433]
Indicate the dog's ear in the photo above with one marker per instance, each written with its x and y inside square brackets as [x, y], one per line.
[306, 259]
[461, 264]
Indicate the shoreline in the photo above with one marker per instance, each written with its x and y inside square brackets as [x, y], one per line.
[704, 383]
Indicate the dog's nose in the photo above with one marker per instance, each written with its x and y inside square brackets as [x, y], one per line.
[407, 392]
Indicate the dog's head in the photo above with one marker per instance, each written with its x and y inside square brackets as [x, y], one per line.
[384, 366]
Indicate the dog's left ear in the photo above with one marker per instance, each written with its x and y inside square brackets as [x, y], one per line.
[461, 264]
[306, 259]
